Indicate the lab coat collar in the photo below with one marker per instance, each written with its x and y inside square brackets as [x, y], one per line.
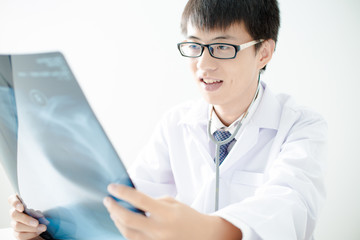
[197, 114]
[267, 114]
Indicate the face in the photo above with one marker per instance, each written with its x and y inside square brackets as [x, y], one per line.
[225, 82]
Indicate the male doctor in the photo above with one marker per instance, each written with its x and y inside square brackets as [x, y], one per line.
[271, 173]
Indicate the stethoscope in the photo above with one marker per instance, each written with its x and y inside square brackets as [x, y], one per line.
[220, 143]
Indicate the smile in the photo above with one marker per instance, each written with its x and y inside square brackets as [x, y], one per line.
[210, 81]
[211, 85]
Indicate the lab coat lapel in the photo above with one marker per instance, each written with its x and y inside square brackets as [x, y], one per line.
[245, 141]
[196, 121]
[203, 147]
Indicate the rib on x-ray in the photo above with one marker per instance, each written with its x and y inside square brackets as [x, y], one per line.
[53, 148]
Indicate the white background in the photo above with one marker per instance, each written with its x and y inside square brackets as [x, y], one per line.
[124, 56]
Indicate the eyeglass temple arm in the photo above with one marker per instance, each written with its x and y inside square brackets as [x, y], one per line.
[249, 44]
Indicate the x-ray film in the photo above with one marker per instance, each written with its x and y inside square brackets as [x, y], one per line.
[53, 148]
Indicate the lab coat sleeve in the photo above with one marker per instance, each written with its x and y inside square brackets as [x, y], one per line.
[151, 172]
[287, 205]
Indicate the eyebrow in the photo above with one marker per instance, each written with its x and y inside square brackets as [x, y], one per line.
[216, 38]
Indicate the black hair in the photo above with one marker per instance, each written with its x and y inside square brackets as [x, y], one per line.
[261, 17]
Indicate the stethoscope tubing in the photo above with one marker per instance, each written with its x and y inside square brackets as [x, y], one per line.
[220, 143]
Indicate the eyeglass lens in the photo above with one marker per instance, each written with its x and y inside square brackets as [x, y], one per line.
[216, 50]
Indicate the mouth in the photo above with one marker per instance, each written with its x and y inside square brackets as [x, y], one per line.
[210, 81]
[211, 84]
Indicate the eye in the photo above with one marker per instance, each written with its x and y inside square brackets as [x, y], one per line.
[193, 46]
[223, 47]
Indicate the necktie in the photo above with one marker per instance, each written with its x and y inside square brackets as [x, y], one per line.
[220, 135]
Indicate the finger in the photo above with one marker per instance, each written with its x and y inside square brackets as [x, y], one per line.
[15, 202]
[20, 227]
[126, 217]
[134, 197]
[37, 238]
[23, 218]
[130, 233]
[24, 236]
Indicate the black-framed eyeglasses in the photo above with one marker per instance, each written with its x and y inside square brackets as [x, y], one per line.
[216, 50]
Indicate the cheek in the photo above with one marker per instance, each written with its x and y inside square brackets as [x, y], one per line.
[234, 71]
[240, 72]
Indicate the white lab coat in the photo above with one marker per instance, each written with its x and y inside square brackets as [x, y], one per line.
[271, 183]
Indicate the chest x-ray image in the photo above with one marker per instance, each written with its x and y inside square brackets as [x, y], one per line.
[53, 148]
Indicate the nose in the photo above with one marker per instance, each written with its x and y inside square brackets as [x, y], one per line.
[206, 62]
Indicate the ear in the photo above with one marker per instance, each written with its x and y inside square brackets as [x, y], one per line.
[265, 53]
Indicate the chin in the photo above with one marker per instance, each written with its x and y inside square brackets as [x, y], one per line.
[212, 100]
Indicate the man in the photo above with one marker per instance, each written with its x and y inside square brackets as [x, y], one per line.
[270, 175]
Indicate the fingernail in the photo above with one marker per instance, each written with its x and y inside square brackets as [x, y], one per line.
[33, 223]
[106, 201]
[19, 207]
[41, 228]
[111, 187]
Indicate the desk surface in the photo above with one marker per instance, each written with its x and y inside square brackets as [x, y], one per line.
[6, 234]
